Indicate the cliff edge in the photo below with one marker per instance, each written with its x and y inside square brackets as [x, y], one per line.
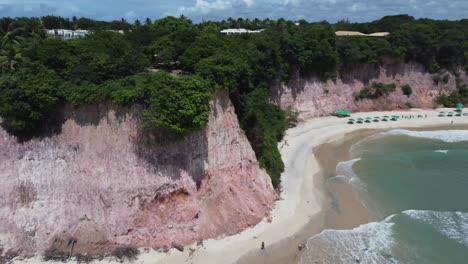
[104, 182]
[311, 97]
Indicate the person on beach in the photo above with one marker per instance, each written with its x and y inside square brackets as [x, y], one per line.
[263, 245]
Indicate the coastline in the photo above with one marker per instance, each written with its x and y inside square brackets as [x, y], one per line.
[303, 201]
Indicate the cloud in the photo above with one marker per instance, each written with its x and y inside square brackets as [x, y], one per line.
[130, 14]
[204, 7]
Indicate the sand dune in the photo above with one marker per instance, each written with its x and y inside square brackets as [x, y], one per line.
[356, 33]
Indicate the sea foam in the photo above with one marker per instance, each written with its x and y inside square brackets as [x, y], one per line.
[453, 225]
[449, 136]
[369, 243]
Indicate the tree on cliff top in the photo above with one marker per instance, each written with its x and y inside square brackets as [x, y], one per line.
[27, 97]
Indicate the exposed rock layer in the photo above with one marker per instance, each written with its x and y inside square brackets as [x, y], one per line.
[104, 182]
[312, 98]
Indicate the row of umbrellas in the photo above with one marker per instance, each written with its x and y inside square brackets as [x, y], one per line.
[373, 119]
[450, 114]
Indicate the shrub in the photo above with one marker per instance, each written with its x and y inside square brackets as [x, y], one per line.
[125, 253]
[54, 254]
[407, 90]
[376, 90]
[446, 78]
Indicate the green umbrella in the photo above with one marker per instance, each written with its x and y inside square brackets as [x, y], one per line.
[360, 120]
[450, 114]
[386, 117]
[395, 117]
[342, 112]
[352, 119]
[376, 117]
[442, 112]
[460, 106]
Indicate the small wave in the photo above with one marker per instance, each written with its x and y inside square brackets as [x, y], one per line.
[369, 243]
[443, 151]
[345, 168]
[453, 225]
[449, 136]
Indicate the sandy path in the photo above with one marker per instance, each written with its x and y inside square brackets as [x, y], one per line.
[301, 200]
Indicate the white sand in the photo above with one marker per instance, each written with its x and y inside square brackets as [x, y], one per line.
[301, 200]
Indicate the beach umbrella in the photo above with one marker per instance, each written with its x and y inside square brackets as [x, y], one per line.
[351, 121]
[460, 106]
[450, 114]
[395, 117]
[386, 116]
[442, 112]
[342, 112]
[360, 120]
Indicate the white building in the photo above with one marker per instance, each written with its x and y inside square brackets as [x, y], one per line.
[237, 31]
[67, 33]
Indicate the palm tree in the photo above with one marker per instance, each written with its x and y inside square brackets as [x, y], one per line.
[10, 33]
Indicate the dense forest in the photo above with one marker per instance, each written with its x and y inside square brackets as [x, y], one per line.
[40, 74]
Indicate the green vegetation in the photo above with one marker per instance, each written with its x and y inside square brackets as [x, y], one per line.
[407, 90]
[376, 90]
[460, 95]
[40, 74]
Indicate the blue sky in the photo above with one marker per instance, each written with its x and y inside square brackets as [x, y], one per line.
[197, 10]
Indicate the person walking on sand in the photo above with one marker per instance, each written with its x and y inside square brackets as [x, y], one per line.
[263, 245]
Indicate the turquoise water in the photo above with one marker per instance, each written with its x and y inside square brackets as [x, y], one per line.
[416, 185]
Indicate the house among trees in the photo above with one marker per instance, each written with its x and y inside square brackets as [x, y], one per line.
[237, 31]
[67, 33]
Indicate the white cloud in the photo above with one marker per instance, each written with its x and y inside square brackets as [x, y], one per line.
[130, 14]
[249, 3]
[357, 7]
[204, 7]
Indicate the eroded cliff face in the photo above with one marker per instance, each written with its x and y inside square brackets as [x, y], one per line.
[103, 182]
[312, 98]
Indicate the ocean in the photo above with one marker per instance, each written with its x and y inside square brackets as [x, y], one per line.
[415, 186]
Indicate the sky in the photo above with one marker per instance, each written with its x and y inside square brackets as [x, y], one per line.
[199, 10]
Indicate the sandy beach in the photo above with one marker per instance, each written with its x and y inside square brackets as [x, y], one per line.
[300, 211]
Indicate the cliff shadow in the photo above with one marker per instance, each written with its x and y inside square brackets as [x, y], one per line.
[83, 115]
[363, 73]
[50, 127]
[93, 114]
[170, 155]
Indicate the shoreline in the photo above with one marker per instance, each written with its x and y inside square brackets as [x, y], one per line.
[303, 198]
